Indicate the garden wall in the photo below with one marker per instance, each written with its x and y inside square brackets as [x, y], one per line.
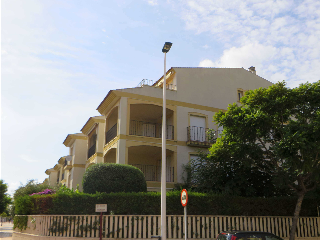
[144, 226]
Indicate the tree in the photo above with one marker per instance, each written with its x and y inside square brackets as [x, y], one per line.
[4, 197]
[31, 187]
[230, 177]
[111, 177]
[276, 130]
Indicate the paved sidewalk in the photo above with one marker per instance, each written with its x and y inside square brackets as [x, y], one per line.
[6, 231]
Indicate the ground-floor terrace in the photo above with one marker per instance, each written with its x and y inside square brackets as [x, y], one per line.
[148, 159]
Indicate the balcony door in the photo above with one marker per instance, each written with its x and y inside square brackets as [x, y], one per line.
[197, 128]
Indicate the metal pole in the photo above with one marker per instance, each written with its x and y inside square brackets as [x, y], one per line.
[185, 223]
[163, 170]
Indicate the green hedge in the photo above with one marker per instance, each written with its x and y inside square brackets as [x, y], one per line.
[112, 177]
[149, 203]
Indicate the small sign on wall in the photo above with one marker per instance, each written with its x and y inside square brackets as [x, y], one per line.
[101, 207]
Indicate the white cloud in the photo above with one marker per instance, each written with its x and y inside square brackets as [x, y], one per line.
[27, 158]
[282, 33]
[206, 46]
[103, 30]
[152, 2]
[206, 63]
[12, 186]
[246, 56]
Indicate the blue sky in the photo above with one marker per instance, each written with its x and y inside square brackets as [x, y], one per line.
[60, 58]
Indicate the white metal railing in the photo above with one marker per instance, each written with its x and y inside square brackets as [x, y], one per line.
[145, 226]
[148, 82]
[145, 82]
[148, 129]
[153, 172]
[200, 136]
[171, 87]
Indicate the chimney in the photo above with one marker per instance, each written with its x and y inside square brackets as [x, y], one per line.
[253, 70]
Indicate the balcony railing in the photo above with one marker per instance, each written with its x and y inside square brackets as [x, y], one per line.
[171, 87]
[67, 165]
[151, 82]
[111, 133]
[92, 150]
[147, 129]
[201, 137]
[153, 173]
[145, 82]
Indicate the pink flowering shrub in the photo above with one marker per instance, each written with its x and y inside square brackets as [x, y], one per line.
[45, 192]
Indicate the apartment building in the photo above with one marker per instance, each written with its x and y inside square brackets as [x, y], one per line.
[128, 130]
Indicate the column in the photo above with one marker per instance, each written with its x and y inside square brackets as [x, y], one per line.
[101, 137]
[122, 116]
[122, 151]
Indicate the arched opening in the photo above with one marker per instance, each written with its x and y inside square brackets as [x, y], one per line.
[110, 156]
[111, 125]
[148, 160]
[146, 120]
[90, 164]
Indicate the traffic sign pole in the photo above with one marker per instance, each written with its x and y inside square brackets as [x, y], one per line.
[185, 223]
[184, 202]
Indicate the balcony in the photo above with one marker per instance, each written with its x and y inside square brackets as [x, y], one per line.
[111, 133]
[148, 129]
[67, 165]
[201, 137]
[153, 173]
[147, 82]
[92, 150]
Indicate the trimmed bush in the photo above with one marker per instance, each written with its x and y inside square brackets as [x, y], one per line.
[111, 177]
[24, 205]
[73, 203]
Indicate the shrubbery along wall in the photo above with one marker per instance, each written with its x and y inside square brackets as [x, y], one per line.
[149, 204]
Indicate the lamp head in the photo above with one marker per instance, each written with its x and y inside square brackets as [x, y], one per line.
[166, 47]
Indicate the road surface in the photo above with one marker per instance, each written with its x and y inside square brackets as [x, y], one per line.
[6, 231]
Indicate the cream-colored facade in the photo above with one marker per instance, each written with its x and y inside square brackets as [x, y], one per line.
[70, 169]
[128, 131]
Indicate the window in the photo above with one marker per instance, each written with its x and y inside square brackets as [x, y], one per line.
[196, 161]
[256, 236]
[222, 237]
[240, 95]
[194, 158]
[197, 127]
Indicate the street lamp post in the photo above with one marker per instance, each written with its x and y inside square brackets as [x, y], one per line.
[165, 49]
